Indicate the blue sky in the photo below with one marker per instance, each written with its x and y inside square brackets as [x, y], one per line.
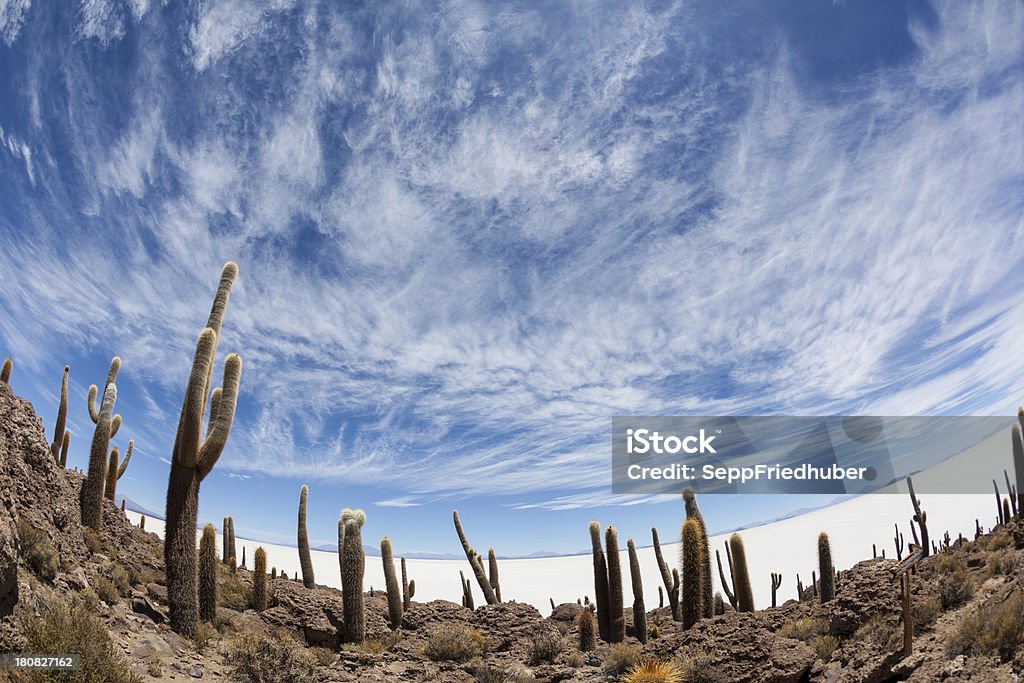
[470, 233]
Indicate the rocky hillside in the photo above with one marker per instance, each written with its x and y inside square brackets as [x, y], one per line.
[66, 590]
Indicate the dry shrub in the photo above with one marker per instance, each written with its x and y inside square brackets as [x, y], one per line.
[654, 671]
[880, 632]
[278, 658]
[37, 550]
[575, 660]
[993, 629]
[106, 590]
[621, 656]
[926, 611]
[999, 541]
[545, 645]
[234, 593]
[1002, 562]
[803, 628]
[205, 632]
[956, 588]
[454, 643]
[509, 673]
[119, 577]
[824, 646]
[92, 540]
[74, 628]
[698, 667]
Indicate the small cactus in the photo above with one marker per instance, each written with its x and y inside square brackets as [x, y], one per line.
[243, 557]
[273, 573]
[898, 541]
[776, 582]
[59, 433]
[586, 638]
[825, 568]
[639, 611]
[693, 575]
[5, 373]
[600, 580]
[115, 472]
[142, 522]
[259, 580]
[719, 604]
[391, 584]
[616, 616]
[467, 592]
[721, 575]
[208, 574]
[744, 591]
[354, 565]
[305, 559]
[671, 585]
[406, 594]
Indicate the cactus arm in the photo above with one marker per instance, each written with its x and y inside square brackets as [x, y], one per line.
[64, 449]
[666, 576]
[213, 445]
[127, 457]
[62, 416]
[215, 399]
[492, 562]
[190, 424]
[220, 301]
[391, 583]
[639, 610]
[920, 516]
[600, 580]
[474, 562]
[94, 414]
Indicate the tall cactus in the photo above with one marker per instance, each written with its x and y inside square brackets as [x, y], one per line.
[827, 585]
[232, 548]
[693, 512]
[115, 472]
[671, 584]
[692, 598]
[259, 580]
[741, 577]
[639, 610]
[194, 456]
[406, 590]
[1018, 460]
[616, 616]
[391, 584]
[600, 581]
[224, 541]
[353, 568]
[492, 565]
[475, 563]
[5, 372]
[91, 495]
[94, 414]
[305, 560]
[208, 574]
[64, 450]
[721, 575]
[62, 415]
[920, 517]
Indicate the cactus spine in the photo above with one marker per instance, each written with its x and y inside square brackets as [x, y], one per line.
[492, 565]
[5, 373]
[391, 584]
[194, 456]
[474, 562]
[693, 574]
[671, 584]
[639, 611]
[353, 568]
[59, 432]
[259, 580]
[616, 617]
[828, 573]
[91, 496]
[741, 577]
[305, 561]
[585, 624]
[600, 581]
[94, 415]
[208, 574]
[115, 472]
[693, 512]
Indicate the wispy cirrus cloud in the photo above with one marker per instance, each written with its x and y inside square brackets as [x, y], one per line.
[465, 242]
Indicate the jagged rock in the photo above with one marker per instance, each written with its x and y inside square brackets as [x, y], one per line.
[864, 591]
[566, 612]
[508, 625]
[423, 614]
[143, 605]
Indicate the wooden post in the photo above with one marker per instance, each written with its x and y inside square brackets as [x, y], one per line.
[908, 618]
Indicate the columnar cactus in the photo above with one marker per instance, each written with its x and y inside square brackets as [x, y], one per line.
[406, 595]
[776, 582]
[600, 580]
[391, 584]
[1012, 490]
[1018, 459]
[224, 541]
[94, 414]
[62, 415]
[232, 549]
[586, 626]
[671, 586]
[825, 568]
[91, 495]
[474, 562]
[305, 560]
[243, 558]
[692, 598]
[741, 577]
[194, 457]
[693, 512]
[616, 616]
[467, 592]
[898, 541]
[64, 450]
[639, 611]
[353, 568]
[492, 565]
[721, 575]
[208, 574]
[1000, 520]
[719, 604]
[259, 580]
[920, 517]
[115, 472]
[5, 372]
[142, 522]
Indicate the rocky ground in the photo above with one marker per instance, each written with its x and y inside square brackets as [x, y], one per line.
[968, 611]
